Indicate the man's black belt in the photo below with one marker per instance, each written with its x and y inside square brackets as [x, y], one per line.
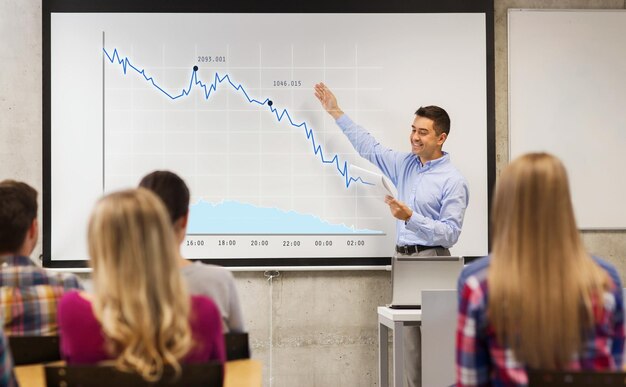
[412, 249]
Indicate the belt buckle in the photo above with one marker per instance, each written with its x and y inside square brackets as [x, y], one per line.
[404, 250]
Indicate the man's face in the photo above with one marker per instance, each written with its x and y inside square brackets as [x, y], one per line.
[425, 142]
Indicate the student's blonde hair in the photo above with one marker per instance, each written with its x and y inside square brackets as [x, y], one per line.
[541, 280]
[140, 300]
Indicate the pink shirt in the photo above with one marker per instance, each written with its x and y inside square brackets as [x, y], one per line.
[83, 341]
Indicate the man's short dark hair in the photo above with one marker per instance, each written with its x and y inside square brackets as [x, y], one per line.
[18, 209]
[171, 189]
[441, 119]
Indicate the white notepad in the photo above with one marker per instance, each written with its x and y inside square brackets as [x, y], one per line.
[377, 183]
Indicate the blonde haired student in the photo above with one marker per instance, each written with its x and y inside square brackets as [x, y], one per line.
[140, 315]
[539, 300]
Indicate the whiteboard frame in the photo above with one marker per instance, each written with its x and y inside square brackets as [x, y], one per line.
[352, 6]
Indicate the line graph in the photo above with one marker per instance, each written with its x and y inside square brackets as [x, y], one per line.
[125, 63]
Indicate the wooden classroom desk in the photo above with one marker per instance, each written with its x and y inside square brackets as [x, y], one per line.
[239, 373]
[243, 373]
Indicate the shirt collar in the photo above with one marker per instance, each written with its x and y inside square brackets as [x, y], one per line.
[435, 162]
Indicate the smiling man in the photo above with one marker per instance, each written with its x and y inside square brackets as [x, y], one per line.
[432, 193]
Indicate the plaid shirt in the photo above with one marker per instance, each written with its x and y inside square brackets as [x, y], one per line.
[7, 378]
[29, 297]
[482, 361]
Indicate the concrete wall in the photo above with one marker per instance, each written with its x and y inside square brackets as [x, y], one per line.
[322, 325]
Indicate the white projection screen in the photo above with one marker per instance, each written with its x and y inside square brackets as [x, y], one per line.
[224, 98]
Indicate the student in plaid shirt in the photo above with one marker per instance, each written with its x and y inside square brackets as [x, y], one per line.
[539, 300]
[7, 377]
[28, 294]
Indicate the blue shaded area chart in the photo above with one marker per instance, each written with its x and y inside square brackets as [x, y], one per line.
[208, 89]
[234, 218]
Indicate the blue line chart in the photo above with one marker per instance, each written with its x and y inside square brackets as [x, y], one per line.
[125, 63]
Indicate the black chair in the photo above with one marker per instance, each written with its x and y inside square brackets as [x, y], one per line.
[237, 346]
[207, 374]
[542, 378]
[34, 349]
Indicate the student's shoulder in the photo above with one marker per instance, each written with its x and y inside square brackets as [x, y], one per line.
[77, 321]
[205, 309]
[76, 297]
[477, 268]
[69, 280]
[213, 272]
[203, 304]
[610, 269]
[23, 272]
[58, 278]
[75, 303]
[472, 286]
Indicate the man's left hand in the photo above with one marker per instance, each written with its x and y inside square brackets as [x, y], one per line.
[398, 209]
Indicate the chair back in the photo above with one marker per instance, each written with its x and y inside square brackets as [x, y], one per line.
[543, 378]
[237, 346]
[205, 374]
[34, 349]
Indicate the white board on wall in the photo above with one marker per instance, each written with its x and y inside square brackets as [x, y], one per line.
[567, 96]
[234, 115]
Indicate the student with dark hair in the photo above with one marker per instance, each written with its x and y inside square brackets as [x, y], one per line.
[28, 294]
[209, 280]
[539, 300]
[432, 193]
